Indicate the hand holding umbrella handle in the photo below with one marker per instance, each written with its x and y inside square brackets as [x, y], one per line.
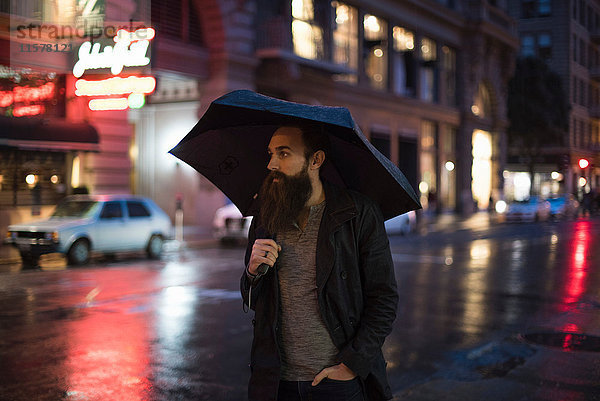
[265, 252]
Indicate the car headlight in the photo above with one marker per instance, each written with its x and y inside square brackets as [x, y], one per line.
[51, 236]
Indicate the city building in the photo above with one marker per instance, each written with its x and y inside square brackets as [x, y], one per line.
[566, 35]
[425, 80]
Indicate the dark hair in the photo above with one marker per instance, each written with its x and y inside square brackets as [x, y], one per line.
[314, 137]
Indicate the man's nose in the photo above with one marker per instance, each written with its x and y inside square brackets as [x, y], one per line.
[273, 165]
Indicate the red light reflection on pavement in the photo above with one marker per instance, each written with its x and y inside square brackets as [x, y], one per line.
[577, 269]
[108, 352]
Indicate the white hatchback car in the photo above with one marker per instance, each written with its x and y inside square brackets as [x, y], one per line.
[81, 224]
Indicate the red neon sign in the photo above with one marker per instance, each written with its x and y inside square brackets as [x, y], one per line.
[27, 94]
[28, 110]
[31, 94]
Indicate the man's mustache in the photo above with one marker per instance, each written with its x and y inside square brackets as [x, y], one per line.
[276, 175]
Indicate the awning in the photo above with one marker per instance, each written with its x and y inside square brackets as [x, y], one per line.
[47, 134]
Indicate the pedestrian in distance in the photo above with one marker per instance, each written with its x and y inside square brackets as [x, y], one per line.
[320, 278]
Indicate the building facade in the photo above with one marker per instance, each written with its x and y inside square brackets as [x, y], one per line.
[425, 80]
[566, 35]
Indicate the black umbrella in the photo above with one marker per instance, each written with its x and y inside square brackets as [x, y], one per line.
[229, 147]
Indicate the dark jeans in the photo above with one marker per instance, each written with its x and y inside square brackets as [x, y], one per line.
[326, 390]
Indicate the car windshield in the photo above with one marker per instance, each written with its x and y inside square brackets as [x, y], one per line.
[74, 208]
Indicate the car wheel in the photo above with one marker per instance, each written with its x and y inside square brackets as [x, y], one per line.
[154, 248]
[29, 260]
[79, 253]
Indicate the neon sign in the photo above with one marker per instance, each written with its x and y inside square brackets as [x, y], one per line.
[129, 51]
[115, 86]
[27, 95]
[32, 110]
[119, 103]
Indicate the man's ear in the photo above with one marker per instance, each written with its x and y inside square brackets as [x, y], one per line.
[318, 158]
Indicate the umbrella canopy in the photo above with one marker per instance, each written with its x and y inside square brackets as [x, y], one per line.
[229, 147]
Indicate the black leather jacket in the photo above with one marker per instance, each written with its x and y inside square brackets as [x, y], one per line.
[357, 295]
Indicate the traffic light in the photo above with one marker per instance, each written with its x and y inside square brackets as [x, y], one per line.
[583, 163]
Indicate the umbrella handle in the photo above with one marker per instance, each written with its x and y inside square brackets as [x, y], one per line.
[262, 269]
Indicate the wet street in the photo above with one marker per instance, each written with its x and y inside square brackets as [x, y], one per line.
[477, 303]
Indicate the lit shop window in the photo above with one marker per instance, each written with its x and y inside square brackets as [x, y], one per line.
[428, 73]
[345, 38]
[404, 73]
[375, 50]
[307, 35]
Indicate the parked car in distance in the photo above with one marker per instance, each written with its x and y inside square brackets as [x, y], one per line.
[563, 206]
[229, 225]
[82, 224]
[533, 209]
[402, 224]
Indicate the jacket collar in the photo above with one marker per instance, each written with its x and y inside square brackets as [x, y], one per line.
[339, 206]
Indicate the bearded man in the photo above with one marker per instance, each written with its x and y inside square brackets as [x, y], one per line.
[320, 278]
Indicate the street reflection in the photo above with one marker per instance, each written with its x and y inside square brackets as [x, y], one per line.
[514, 282]
[577, 269]
[175, 314]
[108, 351]
[474, 285]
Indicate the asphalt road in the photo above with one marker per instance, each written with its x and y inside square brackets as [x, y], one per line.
[479, 305]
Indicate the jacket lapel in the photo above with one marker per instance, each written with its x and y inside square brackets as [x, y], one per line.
[339, 208]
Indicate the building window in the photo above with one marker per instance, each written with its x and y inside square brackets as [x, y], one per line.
[482, 106]
[404, 62]
[307, 35]
[345, 38]
[545, 46]
[375, 51]
[528, 46]
[544, 8]
[450, 75]
[177, 19]
[536, 8]
[428, 82]
[427, 186]
[381, 143]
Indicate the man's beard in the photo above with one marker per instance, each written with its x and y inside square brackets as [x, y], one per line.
[281, 202]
